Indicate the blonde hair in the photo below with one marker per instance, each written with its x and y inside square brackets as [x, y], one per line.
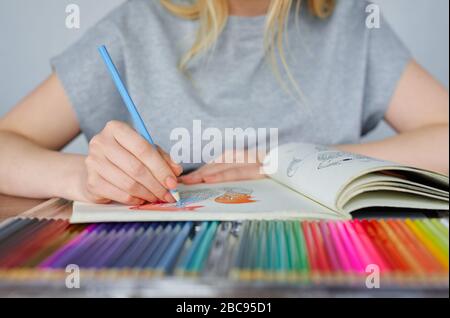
[213, 16]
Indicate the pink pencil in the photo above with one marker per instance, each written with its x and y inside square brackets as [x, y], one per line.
[364, 256]
[370, 247]
[349, 248]
[340, 250]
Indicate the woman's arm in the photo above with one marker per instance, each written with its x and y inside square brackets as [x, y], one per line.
[121, 165]
[419, 112]
[30, 136]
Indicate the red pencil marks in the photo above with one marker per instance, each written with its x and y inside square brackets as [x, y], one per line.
[189, 198]
[166, 207]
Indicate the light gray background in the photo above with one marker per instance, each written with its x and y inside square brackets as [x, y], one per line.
[32, 31]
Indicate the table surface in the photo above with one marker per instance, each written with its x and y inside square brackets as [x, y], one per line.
[13, 206]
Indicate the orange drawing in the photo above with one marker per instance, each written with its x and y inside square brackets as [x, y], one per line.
[234, 198]
[190, 200]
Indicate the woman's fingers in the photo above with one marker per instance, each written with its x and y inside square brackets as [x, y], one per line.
[215, 173]
[112, 174]
[146, 153]
[197, 176]
[176, 168]
[100, 187]
[128, 163]
[247, 172]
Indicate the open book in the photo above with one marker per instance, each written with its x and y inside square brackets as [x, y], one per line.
[309, 182]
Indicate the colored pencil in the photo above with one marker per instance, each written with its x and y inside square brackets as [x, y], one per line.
[340, 248]
[406, 254]
[329, 247]
[435, 250]
[322, 257]
[441, 239]
[169, 259]
[376, 257]
[401, 265]
[311, 252]
[129, 103]
[350, 250]
[426, 263]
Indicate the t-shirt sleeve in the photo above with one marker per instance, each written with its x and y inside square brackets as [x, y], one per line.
[386, 62]
[86, 80]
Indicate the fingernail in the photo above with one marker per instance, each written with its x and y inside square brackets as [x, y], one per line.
[169, 198]
[171, 182]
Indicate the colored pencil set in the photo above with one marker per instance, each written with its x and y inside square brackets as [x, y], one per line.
[277, 251]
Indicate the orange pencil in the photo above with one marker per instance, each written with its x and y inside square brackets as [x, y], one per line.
[406, 255]
[395, 257]
[420, 252]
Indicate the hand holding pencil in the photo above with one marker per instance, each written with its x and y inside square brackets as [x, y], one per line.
[124, 164]
[123, 167]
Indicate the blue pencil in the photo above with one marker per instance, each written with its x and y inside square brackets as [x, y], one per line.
[167, 261]
[135, 116]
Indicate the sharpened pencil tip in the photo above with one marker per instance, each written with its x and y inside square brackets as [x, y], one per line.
[175, 195]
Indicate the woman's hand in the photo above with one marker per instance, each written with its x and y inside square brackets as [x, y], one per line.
[217, 171]
[123, 167]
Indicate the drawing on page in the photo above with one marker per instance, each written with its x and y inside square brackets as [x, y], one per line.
[297, 160]
[191, 200]
[235, 196]
[329, 159]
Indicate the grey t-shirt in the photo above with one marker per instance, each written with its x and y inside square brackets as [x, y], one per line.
[346, 72]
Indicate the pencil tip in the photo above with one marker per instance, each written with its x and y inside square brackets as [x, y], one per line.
[175, 195]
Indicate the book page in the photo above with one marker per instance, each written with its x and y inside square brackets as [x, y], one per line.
[256, 200]
[397, 199]
[319, 172]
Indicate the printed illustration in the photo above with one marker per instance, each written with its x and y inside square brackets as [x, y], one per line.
[191, 200]
[293, 166]
[337, 158]
[299, 158]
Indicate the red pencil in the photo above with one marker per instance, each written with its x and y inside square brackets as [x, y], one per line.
[371, 247]
[370, 230]
[312, 253]
[322, 258]
[35, 244]
[330, 248]
[397, 259]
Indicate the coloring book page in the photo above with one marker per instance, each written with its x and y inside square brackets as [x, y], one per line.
[319, 172]
[261, 199]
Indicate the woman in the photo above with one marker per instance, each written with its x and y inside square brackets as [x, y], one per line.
[317, 73]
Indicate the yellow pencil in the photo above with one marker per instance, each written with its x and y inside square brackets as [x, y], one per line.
[437, 253]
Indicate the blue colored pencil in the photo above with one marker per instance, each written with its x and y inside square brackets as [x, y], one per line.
[72, 255]
[123, 243]
[116, 243]
[168, 260]
[172, 232]
[187, 259]
[152, 246]
[96, 254]
[135, 116]
[133, 251]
